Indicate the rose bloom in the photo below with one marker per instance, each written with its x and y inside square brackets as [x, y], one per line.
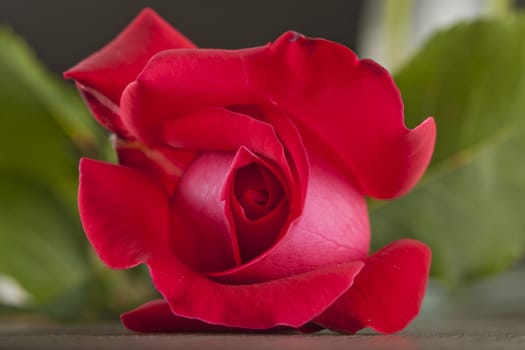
[242, 179]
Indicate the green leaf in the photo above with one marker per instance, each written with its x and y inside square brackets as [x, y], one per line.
[45, 125]
[57, 97]
[44, 130]
[469, 206]
[38, 247]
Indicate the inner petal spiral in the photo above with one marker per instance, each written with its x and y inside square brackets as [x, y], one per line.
[257, 190]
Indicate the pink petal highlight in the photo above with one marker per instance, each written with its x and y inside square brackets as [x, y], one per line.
[200, 234]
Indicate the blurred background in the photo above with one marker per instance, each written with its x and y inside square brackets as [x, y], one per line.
[462, 62]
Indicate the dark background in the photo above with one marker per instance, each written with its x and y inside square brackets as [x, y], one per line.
[62, 32]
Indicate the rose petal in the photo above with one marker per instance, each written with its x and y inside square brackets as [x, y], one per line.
[103, 76]
[117, 64]
[257, 190]
[292, 301]
[200, 234]
[164, 166]
[295, 151]
[176, 81]
[203, 210]
[253, 237]
[105, 111]
[388, 292]
[333, 229]
[353, 106]
[123, 213]
[219, 129]
[156, 317]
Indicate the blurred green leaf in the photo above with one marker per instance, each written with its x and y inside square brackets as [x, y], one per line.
[45, 125]
[469, 206]
[45, 128]
[38, 246]
[57, 98]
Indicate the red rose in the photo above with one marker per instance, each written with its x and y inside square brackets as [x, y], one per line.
[241, 182]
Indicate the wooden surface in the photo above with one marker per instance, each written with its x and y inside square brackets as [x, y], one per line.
[482, 333]
[489, 314]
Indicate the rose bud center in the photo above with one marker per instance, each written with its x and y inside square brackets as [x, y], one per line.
[224, 217]
[257, 190]
[259, 209]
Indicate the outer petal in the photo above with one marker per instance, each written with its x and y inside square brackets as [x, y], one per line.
[112, 68]
[156, 317]
[217, 129]
[292, 301]
[124, 215]
[353, 106]
[388, 292]
[103, 76]
[177, 81]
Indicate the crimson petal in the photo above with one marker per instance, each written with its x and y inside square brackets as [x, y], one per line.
[103, 76]
[218, 129]
[291, 301]
[123, 213]
[388, 292]
[156, 317]
[353, 106]
[105, 111]
[176, 81]
[112, 68]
